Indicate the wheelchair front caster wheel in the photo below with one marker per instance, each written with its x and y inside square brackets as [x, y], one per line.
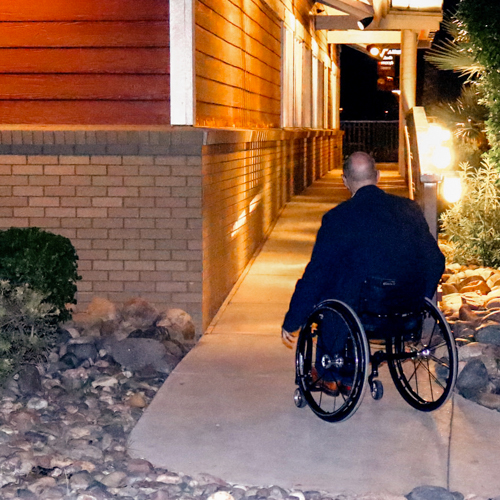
[376, 389]
[299, 399]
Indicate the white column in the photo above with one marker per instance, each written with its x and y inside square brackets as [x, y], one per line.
[182, 68]
[408, 87]
[335, 56]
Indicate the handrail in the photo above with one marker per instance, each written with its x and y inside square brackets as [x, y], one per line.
[423, 182]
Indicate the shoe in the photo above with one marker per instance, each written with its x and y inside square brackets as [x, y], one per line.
[345, 387]
[329, 387]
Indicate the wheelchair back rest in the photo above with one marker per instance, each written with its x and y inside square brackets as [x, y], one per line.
[390, 307]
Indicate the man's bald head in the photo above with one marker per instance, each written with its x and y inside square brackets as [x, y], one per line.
[359, 171]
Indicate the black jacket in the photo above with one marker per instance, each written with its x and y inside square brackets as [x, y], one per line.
[372, 234]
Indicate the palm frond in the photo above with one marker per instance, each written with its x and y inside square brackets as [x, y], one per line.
[449, 55]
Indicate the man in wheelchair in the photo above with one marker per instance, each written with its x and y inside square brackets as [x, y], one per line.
[375, 254]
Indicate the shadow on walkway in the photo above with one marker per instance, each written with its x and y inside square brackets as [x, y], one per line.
[227, 409]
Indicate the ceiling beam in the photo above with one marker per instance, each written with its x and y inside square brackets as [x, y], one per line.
[415, 21]
[365, 37]
[423, 21]
[353, 7]
[336, 22]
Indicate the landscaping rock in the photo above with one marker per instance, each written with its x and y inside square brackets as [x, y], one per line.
[489, 334]
[493, 316]
[489, 400]
[466, 314]
[471, 350]
[136, 354]
[479, 286]
[493, 303]
[29, 381]
[82, 348]
[103, 309]
[137, 314]
[179, 324]
[473, 379]
[433, 493]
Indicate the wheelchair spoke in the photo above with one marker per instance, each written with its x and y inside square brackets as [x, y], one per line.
[324, 363]
[428, 381]
[431, 386]
[439, 361]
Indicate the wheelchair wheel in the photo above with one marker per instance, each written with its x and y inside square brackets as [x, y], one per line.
[332, 361]
[424, 366]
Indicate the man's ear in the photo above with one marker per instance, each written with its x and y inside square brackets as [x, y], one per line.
[378, 175]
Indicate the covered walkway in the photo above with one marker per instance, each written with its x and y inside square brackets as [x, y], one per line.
[228, 410]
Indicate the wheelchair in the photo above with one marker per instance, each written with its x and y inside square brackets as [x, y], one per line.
[336, 347]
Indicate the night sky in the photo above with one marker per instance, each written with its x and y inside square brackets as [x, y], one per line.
[360, 99]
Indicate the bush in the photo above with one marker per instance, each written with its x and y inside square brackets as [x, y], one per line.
[472, 225]
[46, 262]
[28, 326]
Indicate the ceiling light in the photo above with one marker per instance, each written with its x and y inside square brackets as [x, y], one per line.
[364, 23]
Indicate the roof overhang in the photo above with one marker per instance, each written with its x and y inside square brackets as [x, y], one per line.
[341, 19]
[345, 27]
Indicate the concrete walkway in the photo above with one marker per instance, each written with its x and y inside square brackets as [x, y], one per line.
[227, 409]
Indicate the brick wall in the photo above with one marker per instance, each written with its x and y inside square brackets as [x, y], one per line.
[172, 216]
[247, 179]
[134, 219]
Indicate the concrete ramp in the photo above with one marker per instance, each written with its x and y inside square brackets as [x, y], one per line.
[228, 410]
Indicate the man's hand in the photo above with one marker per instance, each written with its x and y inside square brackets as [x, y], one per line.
[289, 338]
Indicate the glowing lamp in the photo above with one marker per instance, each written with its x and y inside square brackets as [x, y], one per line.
[364, 23]
[436, 144]
[441, 157]
[451, 189]
[438, 134]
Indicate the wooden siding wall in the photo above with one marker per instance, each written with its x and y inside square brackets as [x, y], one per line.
[238, 64]
[247, 178]
[84, 62]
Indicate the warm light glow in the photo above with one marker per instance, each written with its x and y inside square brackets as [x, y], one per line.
[373, 50]
[438, 134]
[239, 223]
[451, 189]
[254, 203]
[441, 157]
[439, 153]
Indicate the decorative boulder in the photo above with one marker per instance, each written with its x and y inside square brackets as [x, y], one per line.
[433, 493]
[179, 324]
[473, 379]
[99, 312]
[137, 354]
[489, 334]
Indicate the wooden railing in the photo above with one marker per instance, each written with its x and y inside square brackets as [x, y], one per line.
[422, 181]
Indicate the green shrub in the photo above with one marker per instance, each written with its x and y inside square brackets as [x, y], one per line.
[480, 19]
[472, 225]
[46, 262]
[28, 326]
